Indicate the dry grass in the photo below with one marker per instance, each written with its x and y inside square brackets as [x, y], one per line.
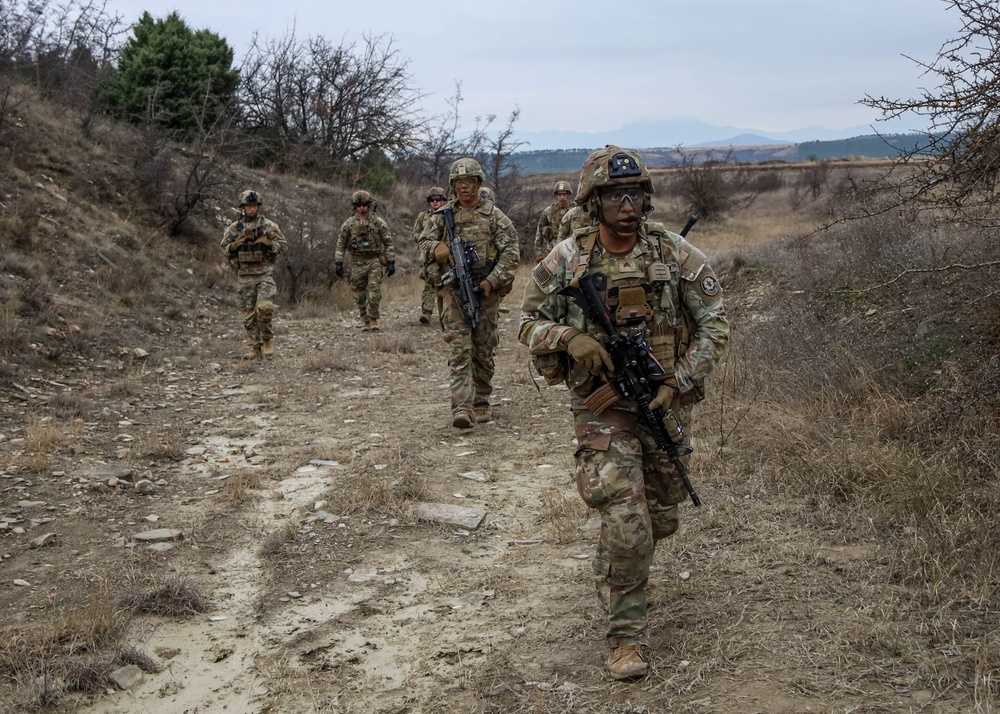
[170, 596]
[563, 515]
[274, 542]
[238, 484]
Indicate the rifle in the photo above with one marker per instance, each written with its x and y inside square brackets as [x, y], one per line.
[459, 278]
[634, 379]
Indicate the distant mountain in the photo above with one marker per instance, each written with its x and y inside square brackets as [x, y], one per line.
[692, 132]
[745, 140]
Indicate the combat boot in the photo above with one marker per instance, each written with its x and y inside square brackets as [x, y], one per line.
[367, 327]
[626, 662]
[483, 414]
[462, 420]
[373, 325]
[254, 353]
[425, 317]
[267, 349]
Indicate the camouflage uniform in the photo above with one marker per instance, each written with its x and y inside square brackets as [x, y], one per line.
[430, 271]
[471, 359]
[573, 220]
[681, 311]
[251, 247]
[548, 228]
[369, 245]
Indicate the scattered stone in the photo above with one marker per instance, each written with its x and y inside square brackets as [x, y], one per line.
[362, 576]
[475, 476]
[686, 575]
[126, 677]
[295, 595]
[140, 353]
[29, 504]
[43, 541]
[159, 535]
[195, 451]
[160, 547]
[324, 462]
[22, 583]
[318, 506]
[216, 618]
[17, 530]
[448, 514]
[152, 518]
[145, 487]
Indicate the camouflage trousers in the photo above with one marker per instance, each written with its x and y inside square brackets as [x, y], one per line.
[366, 284]
[471, 359]
[431, 274]
[615, 460]
[257, 306]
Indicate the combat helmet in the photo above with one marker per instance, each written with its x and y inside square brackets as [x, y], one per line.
[562, 187]
[437, 192]
[466, 167]
[610, 166]
[361, 198]
[486, 194]
[249, 196]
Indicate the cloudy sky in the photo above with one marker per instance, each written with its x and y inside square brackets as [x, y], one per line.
[594, 66]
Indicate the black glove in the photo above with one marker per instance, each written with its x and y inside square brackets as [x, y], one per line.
[390, 268]
[338, 268]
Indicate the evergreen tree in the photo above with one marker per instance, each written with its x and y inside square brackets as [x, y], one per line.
[173, 77]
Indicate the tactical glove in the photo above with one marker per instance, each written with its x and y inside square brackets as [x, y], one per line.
[588, 353]
[390, 268]
[338, 268]
[486, 286]
[264, 240]
[664, 396]
[441, 253]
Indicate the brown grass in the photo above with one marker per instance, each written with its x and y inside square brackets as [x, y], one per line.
[170, 596]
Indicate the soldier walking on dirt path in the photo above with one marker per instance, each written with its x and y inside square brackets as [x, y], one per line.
[430, 271]
[657, 287]
[364, 237]
[548, 223]
[495, 239]
[252, 244]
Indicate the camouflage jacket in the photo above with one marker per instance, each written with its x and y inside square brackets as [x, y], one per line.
[490, 231]
[573, 220]
[252, 246]
[365, 238]
[679, 308]
[548, 227]
[418, 228]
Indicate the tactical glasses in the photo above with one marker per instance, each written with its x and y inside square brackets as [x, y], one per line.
[432, 199]
[617, 194]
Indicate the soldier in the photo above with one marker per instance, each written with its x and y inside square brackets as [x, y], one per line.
[366, 238]
[486, 194]
[251, 245]
[495, 239]
[654, 283]
[575, 219]
[429, 269]
[548, 222]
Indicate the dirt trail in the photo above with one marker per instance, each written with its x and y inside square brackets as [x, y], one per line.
[376, 612]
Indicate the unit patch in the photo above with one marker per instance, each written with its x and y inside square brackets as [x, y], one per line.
[542, 275]
[710, 286]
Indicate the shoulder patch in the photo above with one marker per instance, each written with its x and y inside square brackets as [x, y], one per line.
[542, 275]
[710, 286]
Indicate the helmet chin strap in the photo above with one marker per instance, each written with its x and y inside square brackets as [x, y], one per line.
[633, 219]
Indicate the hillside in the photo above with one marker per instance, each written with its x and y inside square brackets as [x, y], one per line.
[876, 147]
[845, 558]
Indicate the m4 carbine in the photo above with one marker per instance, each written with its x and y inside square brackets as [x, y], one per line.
[459, 279]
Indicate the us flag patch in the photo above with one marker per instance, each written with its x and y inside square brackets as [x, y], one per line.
[542, 275]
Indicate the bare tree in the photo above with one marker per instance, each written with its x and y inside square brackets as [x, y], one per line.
[714, 186]
[958, 166]
[317, 107]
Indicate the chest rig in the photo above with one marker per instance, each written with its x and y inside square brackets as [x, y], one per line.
[364, 238]
[638, 290]
[250, 251]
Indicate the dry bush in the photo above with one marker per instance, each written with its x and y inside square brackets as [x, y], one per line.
[327, 362]
[170, 596]
[564, 515]
[71, 405]
[395, 345]
[237, 485]
[274, 542]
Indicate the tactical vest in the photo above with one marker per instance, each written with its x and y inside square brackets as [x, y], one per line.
[365, 240]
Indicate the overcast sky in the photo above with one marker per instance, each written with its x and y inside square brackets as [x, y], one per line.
[588, 65]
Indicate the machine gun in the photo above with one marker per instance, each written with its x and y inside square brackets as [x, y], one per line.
[635, 378]
[459, 279]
